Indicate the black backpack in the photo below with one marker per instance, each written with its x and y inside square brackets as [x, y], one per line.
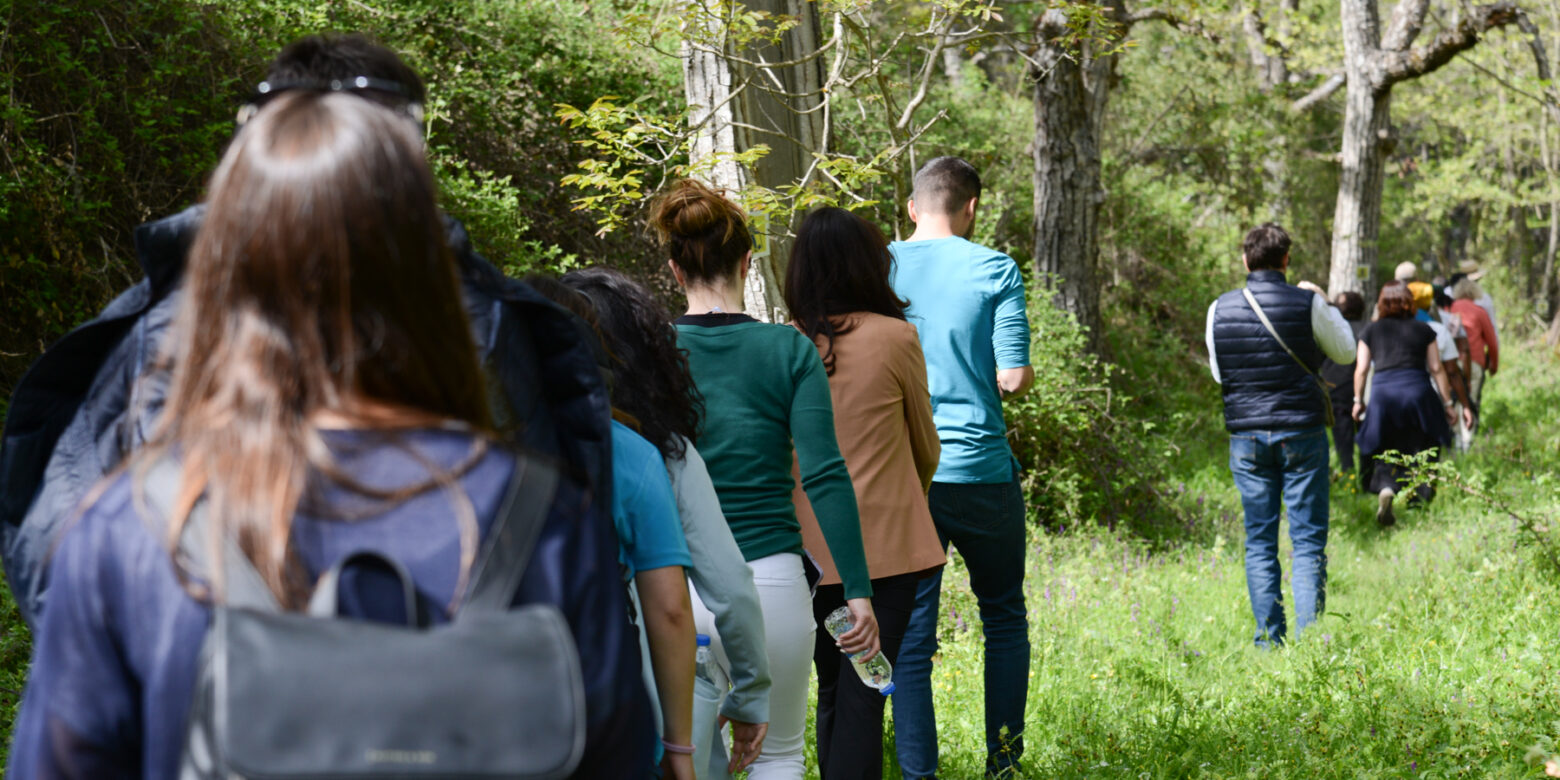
[495, 693]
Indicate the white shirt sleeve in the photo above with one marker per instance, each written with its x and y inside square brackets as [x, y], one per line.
[1444, 341]
[1213, 359]
[1331, 331]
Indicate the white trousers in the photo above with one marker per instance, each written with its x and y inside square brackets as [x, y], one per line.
[788, 636]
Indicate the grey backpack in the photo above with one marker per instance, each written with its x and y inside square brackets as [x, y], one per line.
[495, 693]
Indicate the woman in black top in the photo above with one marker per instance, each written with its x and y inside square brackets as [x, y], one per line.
[1405, 414]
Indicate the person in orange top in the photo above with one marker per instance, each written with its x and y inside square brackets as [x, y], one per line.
[838, 293]
[1482, 341]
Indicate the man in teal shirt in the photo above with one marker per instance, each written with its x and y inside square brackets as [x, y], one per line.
[967, 302]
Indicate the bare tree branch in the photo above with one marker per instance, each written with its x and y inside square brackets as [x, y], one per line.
[1395, 66]
[1168, 17]
[1322, 92]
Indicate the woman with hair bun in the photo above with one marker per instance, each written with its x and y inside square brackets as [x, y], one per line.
[765, 392]
[1405, 414]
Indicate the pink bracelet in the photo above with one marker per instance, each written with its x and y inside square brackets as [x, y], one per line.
[684, 750]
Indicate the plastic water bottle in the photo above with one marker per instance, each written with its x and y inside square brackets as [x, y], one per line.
[705, 665]
[877, 673]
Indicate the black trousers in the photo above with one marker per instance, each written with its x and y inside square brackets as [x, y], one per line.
[850, 714]
[1344, 428]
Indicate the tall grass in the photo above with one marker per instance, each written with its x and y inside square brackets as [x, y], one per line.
[1436, 657]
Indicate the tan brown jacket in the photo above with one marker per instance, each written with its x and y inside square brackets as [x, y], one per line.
[883, 420]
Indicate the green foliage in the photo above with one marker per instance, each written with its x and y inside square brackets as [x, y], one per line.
[112, 116]
[106, 120]
[1085, 458]
[1434, 658]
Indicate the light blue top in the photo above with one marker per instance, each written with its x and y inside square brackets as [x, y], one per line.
[967, 303]
[650, 534]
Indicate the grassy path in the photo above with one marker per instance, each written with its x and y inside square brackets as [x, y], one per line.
[1439, 655]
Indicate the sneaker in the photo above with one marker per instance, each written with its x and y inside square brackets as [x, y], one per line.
[1384, 516]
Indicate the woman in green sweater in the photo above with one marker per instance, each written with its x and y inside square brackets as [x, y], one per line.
[765, 392]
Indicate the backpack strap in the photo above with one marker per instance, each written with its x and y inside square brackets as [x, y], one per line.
[326, 601]
[1266, 323]
[241, 585]
[496, 575]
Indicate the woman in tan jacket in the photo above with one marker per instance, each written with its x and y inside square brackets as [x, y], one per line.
[838, 293]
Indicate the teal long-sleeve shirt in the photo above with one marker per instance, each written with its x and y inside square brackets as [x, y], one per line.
[765, 391]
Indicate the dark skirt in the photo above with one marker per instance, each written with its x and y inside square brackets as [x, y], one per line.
[1404, 414]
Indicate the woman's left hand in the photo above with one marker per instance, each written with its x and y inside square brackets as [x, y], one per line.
[1451, 414]
[1467, 415]
[862, 638]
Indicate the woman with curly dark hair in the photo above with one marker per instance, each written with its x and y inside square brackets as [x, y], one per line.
[653, 387]
[838, 293]
[1404, 412]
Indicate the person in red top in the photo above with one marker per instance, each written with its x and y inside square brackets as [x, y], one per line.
[1482, 341]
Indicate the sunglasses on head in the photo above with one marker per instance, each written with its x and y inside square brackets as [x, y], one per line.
[267, 90]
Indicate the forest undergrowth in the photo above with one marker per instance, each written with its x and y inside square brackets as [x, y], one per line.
[1436, 656]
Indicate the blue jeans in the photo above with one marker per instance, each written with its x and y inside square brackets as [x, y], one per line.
[1292, 465]
[986, 524]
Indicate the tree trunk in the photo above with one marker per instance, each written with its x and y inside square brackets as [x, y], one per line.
[771, 109]
[1070, 94]
[1357, 217]
[1373, 63]
[1366, 125]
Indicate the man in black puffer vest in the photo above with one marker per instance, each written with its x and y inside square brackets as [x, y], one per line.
[1275, 409]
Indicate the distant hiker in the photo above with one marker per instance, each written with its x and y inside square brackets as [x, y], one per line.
[654, 387]
[1340, 381]
[766, 406]
[335, 431]
[1266, 343]
[837, 291]
[1463, 433]
[1403, 412]
[967, 303]
[1446, 342]
[1470, 270]
[1483, 341]
[94, 398]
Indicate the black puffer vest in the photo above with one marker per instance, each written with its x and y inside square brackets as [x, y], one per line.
[1264, 388]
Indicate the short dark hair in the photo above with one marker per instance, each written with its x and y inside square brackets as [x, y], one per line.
[945, 184]
[839, 266]
[1350, 304]
[1395, 301]
[342, 56]
[1265, 247]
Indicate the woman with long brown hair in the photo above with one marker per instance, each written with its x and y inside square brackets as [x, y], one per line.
[325, 398]
[838, 292]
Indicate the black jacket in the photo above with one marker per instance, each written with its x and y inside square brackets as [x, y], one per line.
[88, 402]
[1264, 388]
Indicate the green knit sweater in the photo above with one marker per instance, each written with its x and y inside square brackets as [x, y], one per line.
[764, 389]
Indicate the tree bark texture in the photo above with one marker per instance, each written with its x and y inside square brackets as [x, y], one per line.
[1071, 90]
[737, 105]
[1373, 63]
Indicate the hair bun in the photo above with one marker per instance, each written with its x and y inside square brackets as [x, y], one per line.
[705, 233]
[691, 209]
